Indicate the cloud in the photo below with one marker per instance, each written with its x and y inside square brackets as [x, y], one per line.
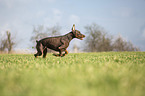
[14, 3]
[124, 12]
[56, 12]
[53, 17]
[57, 15]
[7, 3]
[3, 29]
[40, 14]
[74, 19]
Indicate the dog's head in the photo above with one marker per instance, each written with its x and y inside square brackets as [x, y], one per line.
[77, 34]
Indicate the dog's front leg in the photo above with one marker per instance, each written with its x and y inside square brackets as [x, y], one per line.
[66, 52]
[64, 44]
[60, 53]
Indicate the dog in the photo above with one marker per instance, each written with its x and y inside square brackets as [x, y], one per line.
[59, 43]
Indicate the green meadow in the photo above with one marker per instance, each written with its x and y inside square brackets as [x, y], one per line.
[76, 74]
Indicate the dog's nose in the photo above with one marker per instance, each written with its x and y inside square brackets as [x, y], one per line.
[84, 36]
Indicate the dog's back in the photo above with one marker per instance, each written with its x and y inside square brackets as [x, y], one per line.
[52, 42]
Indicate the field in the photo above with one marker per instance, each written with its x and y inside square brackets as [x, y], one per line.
[77, 74]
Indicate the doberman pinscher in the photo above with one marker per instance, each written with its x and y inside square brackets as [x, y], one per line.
[59, 43]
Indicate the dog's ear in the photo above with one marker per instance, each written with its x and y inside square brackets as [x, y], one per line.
[73, 28]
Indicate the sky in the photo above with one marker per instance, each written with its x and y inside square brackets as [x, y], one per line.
[117, 17]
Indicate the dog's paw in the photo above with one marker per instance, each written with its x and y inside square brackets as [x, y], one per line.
[56, 55]
[63, 55]
[35, 55]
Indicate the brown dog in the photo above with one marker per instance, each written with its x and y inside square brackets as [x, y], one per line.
[59, 43]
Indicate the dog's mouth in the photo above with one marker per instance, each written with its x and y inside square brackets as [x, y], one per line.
[82, 37]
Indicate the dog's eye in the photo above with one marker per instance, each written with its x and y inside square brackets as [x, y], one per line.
[78, 34]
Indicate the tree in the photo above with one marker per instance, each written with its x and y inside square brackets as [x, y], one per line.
[122, 45]
[3, 45]
[7, 43]
[10, 42]
[40, 32]
[97, 39]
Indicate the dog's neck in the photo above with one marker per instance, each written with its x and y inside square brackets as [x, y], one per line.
[70, 36]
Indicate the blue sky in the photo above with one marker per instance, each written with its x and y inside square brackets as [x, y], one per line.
[124, 17]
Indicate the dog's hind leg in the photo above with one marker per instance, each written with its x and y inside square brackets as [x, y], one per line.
[39, 48]
[60, 53]
[44, 52]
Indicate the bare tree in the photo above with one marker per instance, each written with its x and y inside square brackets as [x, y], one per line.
[3, 45]
[38, 33]
[97, 39]
[10, 42]
[7, 43]
[122, 45]
[53, 31]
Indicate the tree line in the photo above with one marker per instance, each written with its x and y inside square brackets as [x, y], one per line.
[96, 40]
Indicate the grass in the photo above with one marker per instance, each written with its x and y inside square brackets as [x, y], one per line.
[77, 74]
